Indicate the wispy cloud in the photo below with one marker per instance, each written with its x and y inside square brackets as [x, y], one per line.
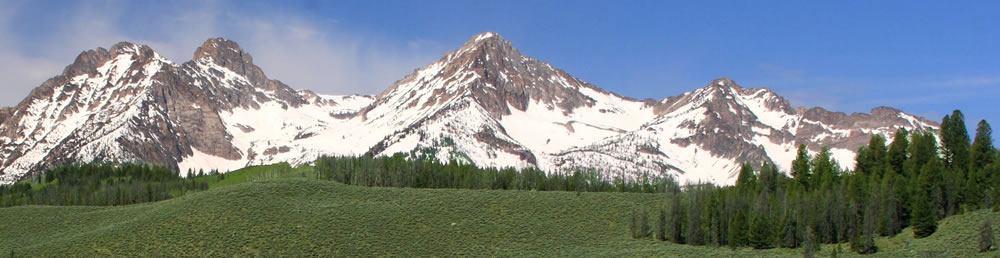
[304, 53]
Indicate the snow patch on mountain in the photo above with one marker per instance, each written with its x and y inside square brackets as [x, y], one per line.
[200, 161]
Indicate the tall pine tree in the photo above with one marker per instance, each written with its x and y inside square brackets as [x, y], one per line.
[800, 166]
[739, 230]
[746, 181]
[927, 203]
[983, 152]
[761, 236]
[896, 154]
[955, 141]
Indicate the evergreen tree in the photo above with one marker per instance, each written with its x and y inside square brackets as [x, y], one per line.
[870, 159]
[768, 177]
[896, 155]
[790, 238]
[923, 147]
[694, 232]
[924, 214]
[892, 191]
[676, 219]
[810, 245]
[823, 169]
[760, 233]
[738, 230]
[661, 226]
[866, 241]
[955, 141]
[712, 220]
[746, 179]
[983, 152]
[800, 166]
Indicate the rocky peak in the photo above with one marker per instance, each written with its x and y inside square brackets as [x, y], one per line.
[4, 114]
[508, 78]
[725, 83]
[88, 61]
[228, 54]
[488, 42]
[140, 51]
[224, 52]
[490, 71]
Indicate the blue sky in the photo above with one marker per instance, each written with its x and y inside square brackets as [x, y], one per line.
[926, 58]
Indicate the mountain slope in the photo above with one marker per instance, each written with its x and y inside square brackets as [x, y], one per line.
[484, 103]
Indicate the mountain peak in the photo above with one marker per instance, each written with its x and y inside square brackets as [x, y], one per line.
[88, 61]
[225, 53]
[725, 83]
[486, 40]
[485, 36]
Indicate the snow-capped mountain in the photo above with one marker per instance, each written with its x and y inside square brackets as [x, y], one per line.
[483, 103]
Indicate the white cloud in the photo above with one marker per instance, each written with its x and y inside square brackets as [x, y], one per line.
[303, 53]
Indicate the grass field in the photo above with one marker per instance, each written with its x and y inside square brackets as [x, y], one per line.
[288, 215]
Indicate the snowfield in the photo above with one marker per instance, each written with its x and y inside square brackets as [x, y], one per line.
[464, 106]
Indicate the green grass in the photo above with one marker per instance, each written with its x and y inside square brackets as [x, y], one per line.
[289, 216]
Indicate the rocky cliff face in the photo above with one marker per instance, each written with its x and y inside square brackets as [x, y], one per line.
[129, 103]
[4, 113]
[484, 103]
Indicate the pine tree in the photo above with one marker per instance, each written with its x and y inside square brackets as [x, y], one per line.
[790, 238]
[746, 179]
[800, 166]
[738, 230]
[870, 158]
[676, 219]
[891, 209]
[823, 169]
[661, 226]
[712, 215]
[810, 245]
[924, 214]
[866, 243]
[760, 233]
[955, 141]
[983, 154]
[896, 155]
[983, 151]
[923, 147]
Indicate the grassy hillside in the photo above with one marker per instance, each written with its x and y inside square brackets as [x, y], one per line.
[301, 216]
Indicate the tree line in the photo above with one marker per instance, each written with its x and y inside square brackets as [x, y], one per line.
[911, 181]
[99, 183]
[401, 170]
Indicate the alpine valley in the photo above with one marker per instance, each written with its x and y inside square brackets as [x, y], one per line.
[484, 103]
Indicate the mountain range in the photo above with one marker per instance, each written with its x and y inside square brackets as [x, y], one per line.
[484, 103]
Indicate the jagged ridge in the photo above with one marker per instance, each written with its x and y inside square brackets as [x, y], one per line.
[484, 103]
